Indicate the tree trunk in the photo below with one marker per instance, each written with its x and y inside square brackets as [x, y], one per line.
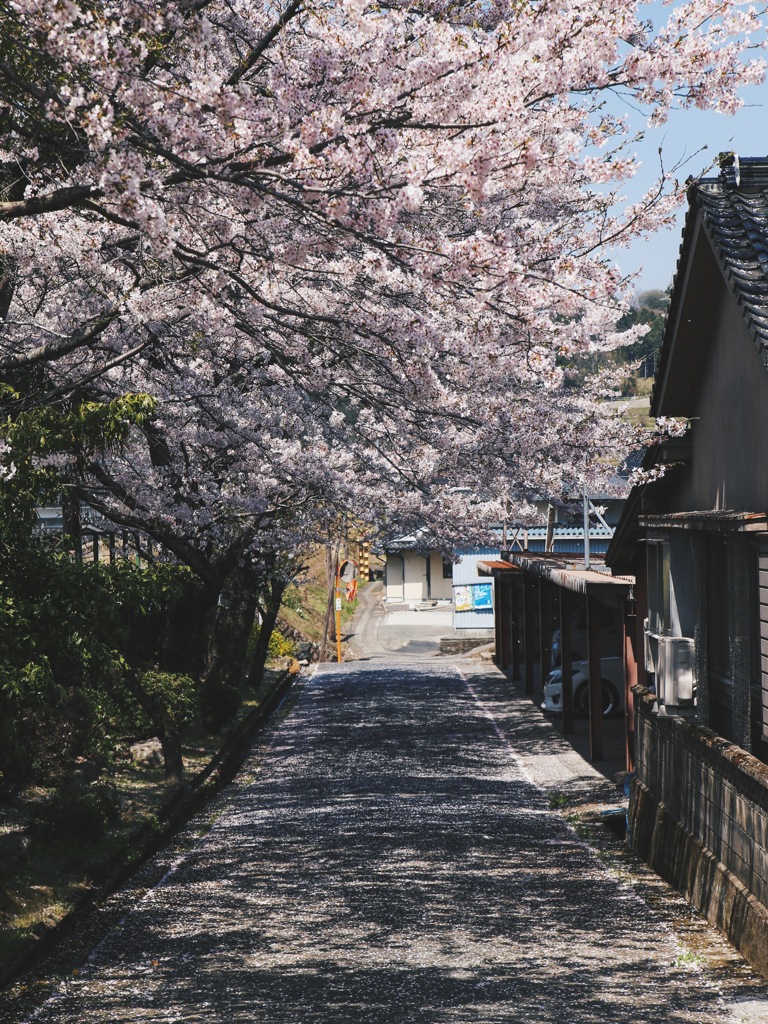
[183, 645]
[71, 519]
[275, 592]
[227, 648]
[163, 723]
[173, 762]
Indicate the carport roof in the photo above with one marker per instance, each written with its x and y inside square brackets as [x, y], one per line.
[561, 571]
[488, 567]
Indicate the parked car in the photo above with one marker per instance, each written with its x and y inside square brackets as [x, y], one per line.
[612, 687]
[609, 634]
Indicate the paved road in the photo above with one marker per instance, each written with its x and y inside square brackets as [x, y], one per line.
[385, 858]
[396, 632]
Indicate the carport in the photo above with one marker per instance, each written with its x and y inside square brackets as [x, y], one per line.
[533, 596]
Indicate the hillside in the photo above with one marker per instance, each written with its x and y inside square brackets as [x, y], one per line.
[305, 604]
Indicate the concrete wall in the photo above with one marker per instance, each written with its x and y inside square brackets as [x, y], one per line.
[394, 576]
[440, 589]
[699, 817]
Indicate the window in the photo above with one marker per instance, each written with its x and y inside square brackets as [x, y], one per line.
[447, 569]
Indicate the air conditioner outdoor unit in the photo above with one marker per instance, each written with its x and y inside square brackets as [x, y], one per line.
[675, 672]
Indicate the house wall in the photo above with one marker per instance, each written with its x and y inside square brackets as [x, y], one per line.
[699, 803]
[729, 469]
[762, 583]
[682, 584]
[699, 817]
[415, 586]
[406, 577]
[440, 589]
[394, 576]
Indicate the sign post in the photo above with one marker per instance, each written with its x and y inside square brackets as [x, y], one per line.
[346, 574]
[337, 589]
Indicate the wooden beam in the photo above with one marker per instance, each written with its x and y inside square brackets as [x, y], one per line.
[528, 630]
[544, 641]
[631, 656]
[566, 609]
[505, 596]
[516, 611]
[595, 676]
[498, 620]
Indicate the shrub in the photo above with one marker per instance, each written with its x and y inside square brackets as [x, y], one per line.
[281, 646]
[72, 813]
[178, 694]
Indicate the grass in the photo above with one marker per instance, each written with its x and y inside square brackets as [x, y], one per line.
[638, 416]
[59, 871]
[305, 604]
[689, 958]
[557, 801]
[637, 411]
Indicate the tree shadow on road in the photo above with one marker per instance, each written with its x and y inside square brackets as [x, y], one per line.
[392, 865]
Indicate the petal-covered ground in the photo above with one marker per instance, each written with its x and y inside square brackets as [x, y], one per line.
[385, 859]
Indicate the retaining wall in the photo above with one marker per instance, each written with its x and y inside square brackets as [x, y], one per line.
[699, 817]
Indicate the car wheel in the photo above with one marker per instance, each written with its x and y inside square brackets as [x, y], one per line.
[609, 694]
[611, 700]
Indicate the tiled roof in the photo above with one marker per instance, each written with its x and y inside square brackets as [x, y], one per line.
[734, 208]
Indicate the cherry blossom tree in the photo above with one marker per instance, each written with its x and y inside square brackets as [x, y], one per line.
[350, 250]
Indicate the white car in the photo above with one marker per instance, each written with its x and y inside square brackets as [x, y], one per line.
[612, 686]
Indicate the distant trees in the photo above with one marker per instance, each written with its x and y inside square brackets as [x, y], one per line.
[646, 319]
[649, 309]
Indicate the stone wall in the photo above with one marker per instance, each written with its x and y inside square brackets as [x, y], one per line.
[699, 817]
[463, 645]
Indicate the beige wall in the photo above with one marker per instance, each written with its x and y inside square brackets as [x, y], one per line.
[393, 577]
[415, 576]
[407, 578]
[441, 590]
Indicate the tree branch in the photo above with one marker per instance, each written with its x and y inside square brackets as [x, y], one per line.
[61, 199]
[51, 350]
[253, 57]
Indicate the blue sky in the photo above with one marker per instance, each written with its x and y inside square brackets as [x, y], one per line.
[681, 139]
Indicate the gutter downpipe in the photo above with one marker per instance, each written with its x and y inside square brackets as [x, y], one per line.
[586, 528]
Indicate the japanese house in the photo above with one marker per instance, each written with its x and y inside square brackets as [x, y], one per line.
[697, 542]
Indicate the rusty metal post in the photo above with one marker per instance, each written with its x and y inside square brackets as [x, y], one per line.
[528, 631]
[595, 677]
[514, 595]
[566, 660]
[631, 658]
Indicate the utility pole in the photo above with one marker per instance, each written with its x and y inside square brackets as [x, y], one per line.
[586, 527]
[337, 590]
